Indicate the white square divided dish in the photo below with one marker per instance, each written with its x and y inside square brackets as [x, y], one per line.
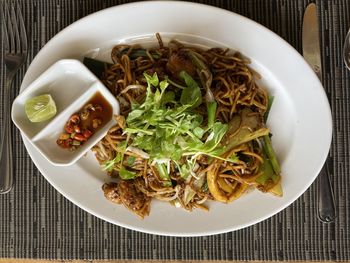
[71, 85]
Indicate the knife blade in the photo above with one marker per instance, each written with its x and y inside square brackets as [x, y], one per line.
[311, 40]
[312, 54]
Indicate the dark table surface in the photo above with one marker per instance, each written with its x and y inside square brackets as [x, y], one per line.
[37, 222]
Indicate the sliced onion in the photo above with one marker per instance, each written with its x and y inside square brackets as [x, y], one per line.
[211, 136]
[137, 151]
[188, 179]
[194, 175]
[196, 167]
[170, 198]
[167, 199]
[205, 198]
[160, 161]
[133, 86]
[189, 193]
[177, 204]
[198, 183]
[168, 167]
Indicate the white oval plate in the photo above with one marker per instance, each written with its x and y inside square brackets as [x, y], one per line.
[300, 118]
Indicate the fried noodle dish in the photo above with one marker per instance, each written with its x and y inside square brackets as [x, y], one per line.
[191, 127]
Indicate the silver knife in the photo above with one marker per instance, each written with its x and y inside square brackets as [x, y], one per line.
[311, 52]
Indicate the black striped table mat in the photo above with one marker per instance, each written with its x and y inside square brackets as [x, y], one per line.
[37, 222]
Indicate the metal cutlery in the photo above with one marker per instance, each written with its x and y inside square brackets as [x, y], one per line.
[311, 52]
[16, 49]
[346, 50]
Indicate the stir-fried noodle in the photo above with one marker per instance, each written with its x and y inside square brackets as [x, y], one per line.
[241, 158]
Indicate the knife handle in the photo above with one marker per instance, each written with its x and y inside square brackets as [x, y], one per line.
[326, 205]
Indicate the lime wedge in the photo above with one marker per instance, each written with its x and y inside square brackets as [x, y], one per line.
[40, 108]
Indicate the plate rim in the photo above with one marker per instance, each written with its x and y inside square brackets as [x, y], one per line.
[183, 234]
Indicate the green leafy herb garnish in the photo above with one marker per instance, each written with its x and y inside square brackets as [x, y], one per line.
[191, 95]
[174, 132]
[130, 160]
[109, 165]
[126, 174]
[167, 129]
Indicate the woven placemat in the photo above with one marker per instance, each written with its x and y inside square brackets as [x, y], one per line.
[37, 222]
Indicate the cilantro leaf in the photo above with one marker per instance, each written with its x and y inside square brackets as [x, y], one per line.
[198, 131]
[184, 171]
[135, 114]
[130, 160]
[126, 174]
[121, 147]
[152, 80]
[217, 133]
[168, 97]
[191, 95]
[163, 85]
[110, 164]
[172, 130]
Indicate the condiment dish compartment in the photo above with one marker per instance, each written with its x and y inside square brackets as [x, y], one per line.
[71, 86]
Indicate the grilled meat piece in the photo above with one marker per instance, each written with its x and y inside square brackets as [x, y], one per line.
[180, 61]
[129, 195]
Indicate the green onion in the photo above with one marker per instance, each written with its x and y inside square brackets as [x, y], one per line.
[269, 104]
[211, 110]
[271, 154]
[163, 174]
[96, 66]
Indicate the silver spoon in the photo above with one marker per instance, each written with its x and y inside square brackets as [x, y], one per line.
[346, 50]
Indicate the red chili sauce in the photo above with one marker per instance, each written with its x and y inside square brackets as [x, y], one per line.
[85, 122]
